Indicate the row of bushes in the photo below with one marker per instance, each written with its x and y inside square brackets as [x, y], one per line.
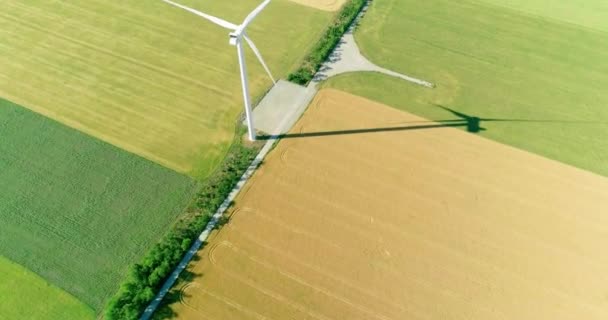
[327, 43]
[146, 278]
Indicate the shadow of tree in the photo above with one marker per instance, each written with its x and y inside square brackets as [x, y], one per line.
[166, 308]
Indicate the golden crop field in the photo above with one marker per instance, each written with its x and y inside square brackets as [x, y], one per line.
[147, 77]
[367, 212]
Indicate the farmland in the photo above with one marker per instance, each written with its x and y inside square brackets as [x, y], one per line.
[327, 5]
[367, 212]
[20, 287]
[149, 78]
[482, 198]
[75, 210]
[589, 13]
[539, 71]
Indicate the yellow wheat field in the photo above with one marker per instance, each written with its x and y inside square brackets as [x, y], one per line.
[366, 212]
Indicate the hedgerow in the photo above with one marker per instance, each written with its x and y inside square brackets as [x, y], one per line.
[146, 277]
[327, 43]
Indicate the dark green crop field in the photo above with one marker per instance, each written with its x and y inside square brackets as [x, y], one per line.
[78, 211]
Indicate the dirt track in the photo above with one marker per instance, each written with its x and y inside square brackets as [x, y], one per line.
[430, 223]
[327, 5]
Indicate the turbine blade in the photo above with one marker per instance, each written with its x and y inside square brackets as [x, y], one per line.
[253, 14]
[505, 120]
[216, 20]
[259, 55]
[514, 120]
[541, 121]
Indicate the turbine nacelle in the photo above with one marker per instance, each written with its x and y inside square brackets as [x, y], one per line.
[234, 38]
[236, 35]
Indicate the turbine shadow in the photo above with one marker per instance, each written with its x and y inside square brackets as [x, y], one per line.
[471, 123]
[432, 125]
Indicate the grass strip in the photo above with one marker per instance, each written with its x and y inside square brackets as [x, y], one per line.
[146, 277]
[327, 43]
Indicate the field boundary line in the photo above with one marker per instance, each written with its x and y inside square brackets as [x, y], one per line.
[346, 57]
[268, 146]
[311, 90]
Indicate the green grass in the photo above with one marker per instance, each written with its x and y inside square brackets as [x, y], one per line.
[493, 62]
[326, 44]
[78, 211]
[147, 276]
[143, 75]
[586, 13]
[27, 296]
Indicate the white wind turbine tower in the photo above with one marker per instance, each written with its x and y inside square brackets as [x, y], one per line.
[236, 36]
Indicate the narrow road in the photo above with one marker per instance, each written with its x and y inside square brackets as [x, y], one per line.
[348, 58]
[345, 58]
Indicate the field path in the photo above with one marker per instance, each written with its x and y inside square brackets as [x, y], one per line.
[281, 126]
[347, 57]
[366, 212]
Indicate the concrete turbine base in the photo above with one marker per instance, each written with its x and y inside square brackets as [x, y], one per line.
[282, 107]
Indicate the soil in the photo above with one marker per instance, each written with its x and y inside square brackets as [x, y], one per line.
[367, 212]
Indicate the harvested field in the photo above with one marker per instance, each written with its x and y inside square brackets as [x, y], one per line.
[327, 5]
[366, 212]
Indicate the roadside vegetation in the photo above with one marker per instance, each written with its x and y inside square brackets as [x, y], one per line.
[459, 216]
[78, 211]
[147, 276]
[326, 44]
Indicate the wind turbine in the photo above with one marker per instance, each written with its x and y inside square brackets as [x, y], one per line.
[236, 39]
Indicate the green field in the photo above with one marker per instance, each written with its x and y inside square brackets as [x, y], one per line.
[78, 211]
[20, 287]
[143, 75]
[587, 13]
[545, 79]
